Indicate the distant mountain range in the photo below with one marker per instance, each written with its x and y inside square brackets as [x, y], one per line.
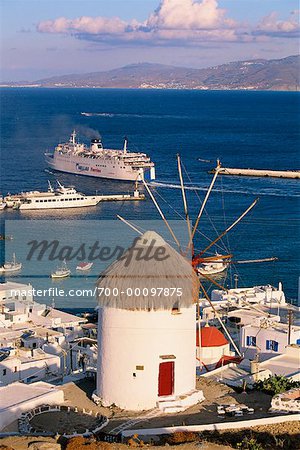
[257, 74]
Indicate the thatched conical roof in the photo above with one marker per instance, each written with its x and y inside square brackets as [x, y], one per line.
[142, 276]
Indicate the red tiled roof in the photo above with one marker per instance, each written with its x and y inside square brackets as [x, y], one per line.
[211, 337]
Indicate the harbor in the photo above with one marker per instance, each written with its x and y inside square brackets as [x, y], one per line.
[63, 197]
[231, 339]
[149, 225]
[212, 296]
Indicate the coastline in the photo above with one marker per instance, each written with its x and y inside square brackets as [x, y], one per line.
[241, 89]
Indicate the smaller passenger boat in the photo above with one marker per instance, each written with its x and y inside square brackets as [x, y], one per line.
[212, 267]
[84, 266]
[61, 272]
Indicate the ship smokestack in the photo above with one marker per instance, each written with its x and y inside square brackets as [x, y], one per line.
[96, 145]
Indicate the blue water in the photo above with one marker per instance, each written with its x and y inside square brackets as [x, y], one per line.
[243, 129]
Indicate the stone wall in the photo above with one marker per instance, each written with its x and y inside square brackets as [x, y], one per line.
[288, 401]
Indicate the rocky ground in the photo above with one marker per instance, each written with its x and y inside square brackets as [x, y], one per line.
[287, 434]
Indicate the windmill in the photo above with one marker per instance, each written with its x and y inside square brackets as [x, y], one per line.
[201, 258]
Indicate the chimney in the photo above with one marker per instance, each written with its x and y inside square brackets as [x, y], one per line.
[254, 368]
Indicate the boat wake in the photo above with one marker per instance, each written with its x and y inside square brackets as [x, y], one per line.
[146, 116]
[269, 193]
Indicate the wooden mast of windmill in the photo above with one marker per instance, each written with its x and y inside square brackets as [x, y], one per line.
[190, 244]
[162, 215]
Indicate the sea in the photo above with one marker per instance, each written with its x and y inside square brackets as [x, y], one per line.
[241, 128]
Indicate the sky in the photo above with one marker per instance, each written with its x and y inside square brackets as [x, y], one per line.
[42, 38]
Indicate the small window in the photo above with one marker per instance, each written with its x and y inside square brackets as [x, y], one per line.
[176, 309]
[4, 372]
[16, 369]
[251, 341]
[272, 345]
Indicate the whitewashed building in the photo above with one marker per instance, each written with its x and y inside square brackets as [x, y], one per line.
[28, 366]
[18, 398]
[267, 337]
[214, 349]
[266, 295]
[11, 291]
[35, 337]
[146, 329]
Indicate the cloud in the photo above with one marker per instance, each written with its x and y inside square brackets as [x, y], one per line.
[177, 20]
[174, 22]
[188, 15]
[271, 25]
[89, 25]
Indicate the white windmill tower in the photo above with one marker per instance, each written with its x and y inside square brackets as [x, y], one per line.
[146, 331]
[147, 342]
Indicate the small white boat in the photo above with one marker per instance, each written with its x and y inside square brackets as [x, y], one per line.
[6, 237]
[212, 267]
[11, 267]
[2, 204]
[84, 266]
[61, 272]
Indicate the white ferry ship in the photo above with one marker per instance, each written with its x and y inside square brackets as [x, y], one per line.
[62, 197]
[95, 161]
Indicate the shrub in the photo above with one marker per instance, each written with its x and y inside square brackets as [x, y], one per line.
[276, 384]
[180, 437]
[250, 444]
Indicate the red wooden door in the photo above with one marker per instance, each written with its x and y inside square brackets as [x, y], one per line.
[166, 378]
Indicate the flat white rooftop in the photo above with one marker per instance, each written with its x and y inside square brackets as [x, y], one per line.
[282, 365]
[17, 393]
[11, 285]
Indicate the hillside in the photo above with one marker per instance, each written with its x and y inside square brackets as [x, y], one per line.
[259, 74]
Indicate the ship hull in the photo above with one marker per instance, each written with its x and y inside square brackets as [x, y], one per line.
[96, 169]
[60, 203]
[64, 205]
